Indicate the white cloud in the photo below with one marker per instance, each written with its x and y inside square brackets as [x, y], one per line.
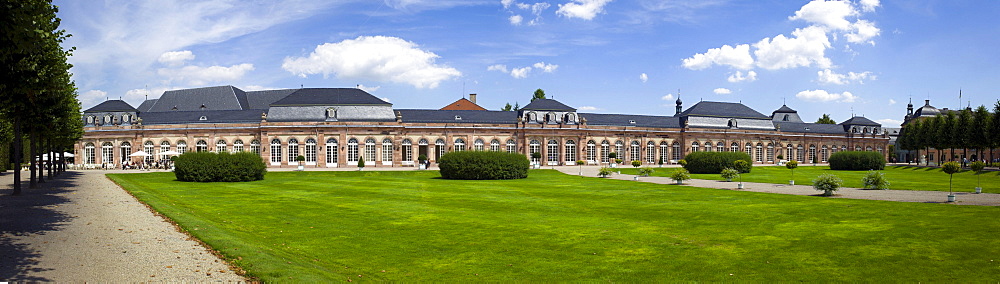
[520, 72]
[869, 5]
[255, 88]
[738, 77]
[535, 9]
[892, 101]
[737, 57]
[863, 32]
[197, 75]
[583, 9]
[93, 97]
[722, 91]
[643, 77]
[370, 89]
[506, 3]
[824, 96]
[176, 58]
[836, 15]
[374, 58]
[889, 122]
[386, 99]
[547, 68]
[806, 47]
[497, 67]
[587, 108]
[668, 97]
[829, 77]
[523, 72]
[516, 20]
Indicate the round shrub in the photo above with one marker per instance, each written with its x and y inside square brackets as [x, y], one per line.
[714, 162]
[483, 165]
[225, 167]
[875, 180]
[827, 183]
[857, 161]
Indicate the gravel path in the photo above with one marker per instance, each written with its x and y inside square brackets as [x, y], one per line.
[81, 227]
[961, 198]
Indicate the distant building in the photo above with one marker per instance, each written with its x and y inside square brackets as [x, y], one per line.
[932, 155]
[335, 127]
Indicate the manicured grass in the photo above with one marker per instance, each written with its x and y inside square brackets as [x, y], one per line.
[900, 177]
[335, 226]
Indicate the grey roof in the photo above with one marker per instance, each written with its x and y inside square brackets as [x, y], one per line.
[860, 120]
[211, 116]
[146, 105]
[213, 98]
[329, 96]
[547, 104]
[111, 106]
[926, 110]
[263, 99]
[449, 116]
[625, 120]
[783, 109]
[721, 109]
[800, 127]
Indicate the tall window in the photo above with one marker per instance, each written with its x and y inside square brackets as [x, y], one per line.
[749, 149]
[800, 153]
[651, 152]
[534, 147]
[220, 146]
[511, 146]
[635, 152]
[387, 150]
[879, 149]
[148, 148]
[694, 146]
[735, 147]
[664, 151]
[88, 152]
[677, 150]
[843, 147]
[440, 150]
[293, 149]
[812, 153]
[182, 147]
[201, 146]
[789, 152]
[620, 149]
[370, 149]
[126, 149]
[869, 148]
[310, 151]
[164, 146]
[331, 152]
[255, 146]
[591, 151]
[605, 148]
[107, 153]
[720, 147]
[275, 152]
[770, 152]
[495, 145]
[570, 151]
[824, 154]
[238, 145]
[479, 145]
[552, 151]
[708, 146]
[407, 150]
[352, 150]
[459, 145]
[760, 152]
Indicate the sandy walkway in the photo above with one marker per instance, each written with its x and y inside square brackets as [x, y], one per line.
[81, 227]
[962, 198]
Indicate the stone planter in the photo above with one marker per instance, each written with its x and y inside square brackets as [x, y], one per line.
[979, 190]
[739, 186]
[423, 166]
[951, 198]
[729, 180]
[791, 182]
[301, 168]
[680, 182]
[613, 165]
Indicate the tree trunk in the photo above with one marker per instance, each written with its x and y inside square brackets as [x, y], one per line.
[33, 171]
[52, 158]
[38, 157]
[17, 157]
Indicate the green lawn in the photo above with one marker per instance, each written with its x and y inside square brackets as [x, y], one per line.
[900, 177]
[335, 226]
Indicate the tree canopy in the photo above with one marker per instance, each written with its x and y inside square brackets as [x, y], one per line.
[539, 94]
[825, 119]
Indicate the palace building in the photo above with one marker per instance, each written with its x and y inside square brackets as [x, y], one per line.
[335, 127]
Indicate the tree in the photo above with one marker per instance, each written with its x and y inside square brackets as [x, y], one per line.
[791, 165]
[952, 131]
[995, 128]
[981, 128]
[951, 168]
[827, 183]
[962, 131]
[941, 135]
[507, 107]
[825, 119]
[539, 94]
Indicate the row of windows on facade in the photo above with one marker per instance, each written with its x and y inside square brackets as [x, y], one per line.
[109, 119]
[552, 153]
[550, 117]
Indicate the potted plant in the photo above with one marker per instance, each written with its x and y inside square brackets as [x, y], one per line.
[361, 163]
[659, 162]
[741, 167]
[875, 180]
[619, 161]
[302, 161]
[827, 183]
[683, 163]
[535, 157]
[613, 157]
[172, 160]
[791, 165]
[781, 159]
[978, 166]
[645, 171]
[423, 160]
[580, 164]
[951, 168]
[680, 175]
[729, 174]
[636, 164]
[604, 172]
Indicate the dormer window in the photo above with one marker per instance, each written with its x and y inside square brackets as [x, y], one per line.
[174, 108]
[458, 117]
[125, 118]
[733, 124]
[203, 118]
[203, 107]
[532, 117]
[107, 119]
[785, 118]
[331, 113]
[631, 121]
[90, 119]
[551, 118]
[570, 118]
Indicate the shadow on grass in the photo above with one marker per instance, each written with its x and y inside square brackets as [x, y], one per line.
[31, 213]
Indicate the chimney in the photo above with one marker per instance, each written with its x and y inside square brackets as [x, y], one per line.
[472, 97]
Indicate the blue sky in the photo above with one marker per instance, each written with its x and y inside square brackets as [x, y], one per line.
[606, 56]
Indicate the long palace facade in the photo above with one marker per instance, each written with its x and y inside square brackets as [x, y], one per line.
[336, 127]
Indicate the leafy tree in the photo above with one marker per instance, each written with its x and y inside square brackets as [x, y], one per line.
[951, 168]
[539, 94]
[995, 128]
[825, 119]
[978, 167]
[791, 165]
[517, 106]
[961, 130]
[981, 128]
[507, 107]
[942, 135]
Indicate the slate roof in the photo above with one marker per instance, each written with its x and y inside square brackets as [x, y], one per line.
[547, 104]
[211, 116]
[146, 105]
[601, 119]
[784, 109]
[800, 127]
[263, 99]
[463, 104]
[213, 98]
[111, 106]
[860, 120]
[926, 110]
[448, 116]
[721, 109]
[329, 96]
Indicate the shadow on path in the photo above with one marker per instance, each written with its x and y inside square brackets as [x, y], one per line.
[34, 212]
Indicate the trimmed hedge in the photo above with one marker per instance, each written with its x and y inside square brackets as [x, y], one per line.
[714, 162]
[225, 167]
[483, 165]
[857, 161]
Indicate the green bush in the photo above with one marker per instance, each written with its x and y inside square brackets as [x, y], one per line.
[680, 175]
[857, 161]
[875, 180]
[827, 183]
[742, 166]
[730, 173]
[636, 164]
[713, 162]
[605, 172]
[483, 165]
[213, 167]
[645, 171]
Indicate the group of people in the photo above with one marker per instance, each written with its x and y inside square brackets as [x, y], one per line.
[161, 164]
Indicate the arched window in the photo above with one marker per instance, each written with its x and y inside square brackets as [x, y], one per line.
[126, 118]
[108, 119]
[107, 153]
[732, 123]
[238, 145]
[534, 147]
[352, 151]
[551, 117]
[255, 146]
[735, 147]
[310, 151]
[511, 146]
[89, 153]
[126, 149]
[387, 151]
[760, 152]
[148, 148]
[182, 147]
[164, 146]
[857, 148]
[532, 116]
[800, 153]
[370, 150]
[694, 146]
[569, 152]
[708, 146]
[90, 119]
[720, 147]
[459, 145]
[552, 152]
[812, 153]
[591, 151]
[570, 118]
[220, 146]
[635, 153]
[869, 149]
[479, 145]
[439, 145]
[664, 151]
[790, 152]
[620, 149]
[605, 149]
[650, 152]
[331, 113]
[495, 145]
[879, 149]
[331, 152]
[407, 150]
[676, 150]
[422, 142]
[843, 147]
[275, 152]
[293, 149]
[749, 149]
[824, 154]
[201, 146]
[770, 152]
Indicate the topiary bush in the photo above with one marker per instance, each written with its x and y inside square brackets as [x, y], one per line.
[215, 167]
[875, 180]
[483, 165]
[857, 161]
[713, 162]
